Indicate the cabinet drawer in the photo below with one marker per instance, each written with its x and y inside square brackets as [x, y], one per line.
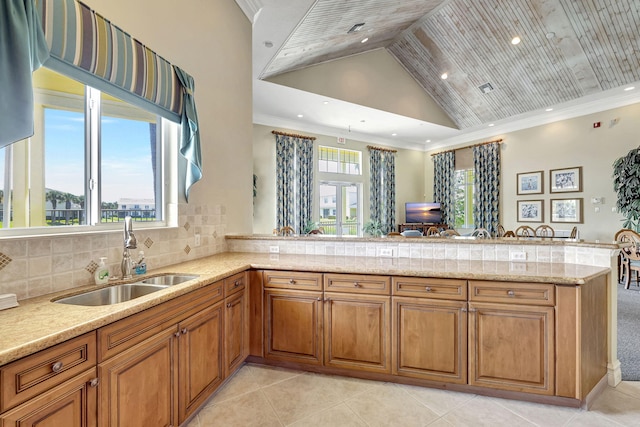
[125, 333]
[235, 283]
[356, 283]
[293, 280]
[452, 289]
[512, 292]
[32, 375]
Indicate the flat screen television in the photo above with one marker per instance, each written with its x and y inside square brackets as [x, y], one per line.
[423, 212]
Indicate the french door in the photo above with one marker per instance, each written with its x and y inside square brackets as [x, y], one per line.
[339, 207]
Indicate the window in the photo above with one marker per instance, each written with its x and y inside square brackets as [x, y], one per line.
[92, 160]
[463, 198]
[343, 218]
[338, 160]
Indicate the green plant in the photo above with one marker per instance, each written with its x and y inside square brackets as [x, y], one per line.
[373, 228]
[309, 227]
[626, 183]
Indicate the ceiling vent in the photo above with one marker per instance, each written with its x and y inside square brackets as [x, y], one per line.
[486, 88]
[355, 28]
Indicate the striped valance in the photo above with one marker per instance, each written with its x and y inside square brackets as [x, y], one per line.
[82, 41]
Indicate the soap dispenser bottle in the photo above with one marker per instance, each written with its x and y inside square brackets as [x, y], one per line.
[141, 265]
[101, 274]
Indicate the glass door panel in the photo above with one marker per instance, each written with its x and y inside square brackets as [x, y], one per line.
[339, 209]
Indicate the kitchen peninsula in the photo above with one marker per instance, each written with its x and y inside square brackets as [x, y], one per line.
[556, 306]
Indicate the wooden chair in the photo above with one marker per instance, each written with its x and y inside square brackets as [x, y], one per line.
[287, 231]
[433, 232]
[316, 231]
[525, 231]
[509, 234]
[500, 232]
[450, 232]
[481, 233]
[629, 259]
[545, 231]
[394, 234]
[574, 232]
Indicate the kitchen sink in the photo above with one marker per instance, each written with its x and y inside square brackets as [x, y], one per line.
[112, 294]
[169, 279]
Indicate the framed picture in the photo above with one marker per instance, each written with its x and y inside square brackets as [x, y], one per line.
[565, 180]
[566, 210]
[530, 183]
[530, 211]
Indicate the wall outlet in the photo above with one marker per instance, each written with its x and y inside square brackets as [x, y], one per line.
[386, 252]
[518, 256]
[196, 239]
[274, 249]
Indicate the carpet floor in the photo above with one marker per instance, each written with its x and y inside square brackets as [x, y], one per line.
[629, 332]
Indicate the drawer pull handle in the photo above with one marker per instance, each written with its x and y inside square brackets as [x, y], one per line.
[228, 305]
[510, 293]
[94, 382]
[464, 310]
[428, 288]
[56, 367]
[473, 310]
[184, 331]
[319, 299]
[356, 285]
[177, 334]
[236, 284]
[292, 282]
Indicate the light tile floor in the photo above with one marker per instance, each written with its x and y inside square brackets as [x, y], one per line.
[266, 396]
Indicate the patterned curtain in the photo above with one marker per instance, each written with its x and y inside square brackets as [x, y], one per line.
[375, 181]
[285, 177]
[486, 163]
[443, 185]
[304, 160]
[294, 182]
[382, 194]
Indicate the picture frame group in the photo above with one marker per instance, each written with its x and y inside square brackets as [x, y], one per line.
[566, 180]
[562, 210]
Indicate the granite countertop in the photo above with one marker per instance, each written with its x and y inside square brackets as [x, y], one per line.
[39, 323]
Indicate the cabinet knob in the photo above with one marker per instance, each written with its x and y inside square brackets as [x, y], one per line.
[56, 367]
[464, 309]
[94, 382]
[292, 282]
[177, 334]
[228, 305]
[184, 331]
[427, 288]
[510, 293]
[319, 299]
[356, 285]
[236, 284]
[472, 310]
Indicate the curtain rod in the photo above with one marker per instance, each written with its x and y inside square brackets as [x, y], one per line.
[469, 146]
[293, 135]
[371, 147]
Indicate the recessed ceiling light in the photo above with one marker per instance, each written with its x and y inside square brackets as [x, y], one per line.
[491, 125]
[300, 115]
[549, 109]
[444, 76]
[268, 43]
[515, 40]
[629, 88]
[394, 134]
[325, 102]
[428, 140]
[364, 40]
[550, 35]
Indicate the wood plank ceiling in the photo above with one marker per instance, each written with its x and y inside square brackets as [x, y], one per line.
[569, 48]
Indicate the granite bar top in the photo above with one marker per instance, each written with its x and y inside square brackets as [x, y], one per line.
[39, 323]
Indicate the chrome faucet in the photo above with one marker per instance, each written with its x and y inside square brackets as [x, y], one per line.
[129, 243]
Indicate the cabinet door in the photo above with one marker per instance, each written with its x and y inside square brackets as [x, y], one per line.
[236, 331]
[512, 347]
[293, 326]
[200, 350]
[430, 339]
[71, 404]
[137, 386]
[357, 331]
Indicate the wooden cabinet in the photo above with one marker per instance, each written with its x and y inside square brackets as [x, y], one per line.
[160, 365]
[293, 326]
[357, 332]
[51, 388]
[512, 346]
[236, 322]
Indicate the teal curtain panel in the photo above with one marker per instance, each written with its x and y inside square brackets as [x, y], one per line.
[443, 185]
[486, 164]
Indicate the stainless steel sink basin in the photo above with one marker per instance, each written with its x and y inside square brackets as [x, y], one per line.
[169, 279]
[112, 294]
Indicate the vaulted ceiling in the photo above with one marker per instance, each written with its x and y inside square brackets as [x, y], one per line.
[569, 49]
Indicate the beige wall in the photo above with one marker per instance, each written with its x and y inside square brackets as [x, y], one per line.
[364, 79]
[211, 40]
[565, 144]
[410, 179]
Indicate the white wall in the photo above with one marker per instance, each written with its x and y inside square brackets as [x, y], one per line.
[410, 179]
[566, 144]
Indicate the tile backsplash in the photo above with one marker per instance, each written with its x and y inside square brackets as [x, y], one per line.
[33, 266]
